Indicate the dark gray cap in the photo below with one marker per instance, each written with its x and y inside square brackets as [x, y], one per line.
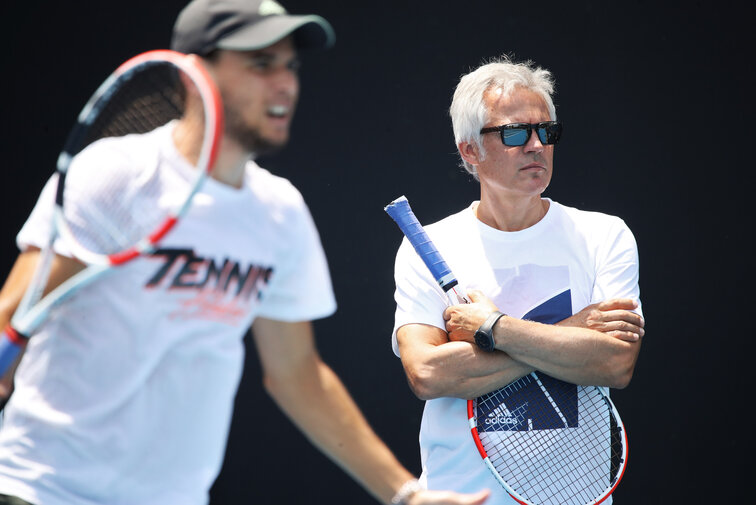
[245, 25]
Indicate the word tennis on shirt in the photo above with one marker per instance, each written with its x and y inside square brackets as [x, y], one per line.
[183, 269]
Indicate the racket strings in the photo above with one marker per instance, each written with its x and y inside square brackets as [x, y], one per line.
[555, 465]
[126, 197]
[152, 96]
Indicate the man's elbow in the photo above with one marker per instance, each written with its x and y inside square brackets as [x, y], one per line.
[620, 374]
[422, 383]
[621, 381]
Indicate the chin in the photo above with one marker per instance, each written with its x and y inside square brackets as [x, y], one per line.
[252, 141]
[265, 147]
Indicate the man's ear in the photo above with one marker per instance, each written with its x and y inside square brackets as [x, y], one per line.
[470, 152]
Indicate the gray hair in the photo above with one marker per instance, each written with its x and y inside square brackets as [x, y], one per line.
[468, 108]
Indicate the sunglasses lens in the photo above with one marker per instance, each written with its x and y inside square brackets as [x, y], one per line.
[518, 134]
[543, 135]
[515, 136]
[549, 134]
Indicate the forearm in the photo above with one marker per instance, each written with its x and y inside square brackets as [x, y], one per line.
[15, 286]
[10, 296]
[436, 367]
[577, 355]
[6, 380]
[460, 370]
[318, 403]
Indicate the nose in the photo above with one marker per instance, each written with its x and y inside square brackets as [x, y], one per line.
[534, 143]
[287, 79]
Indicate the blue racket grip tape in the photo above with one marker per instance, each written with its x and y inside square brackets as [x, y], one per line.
[401, 212]
[9, 349]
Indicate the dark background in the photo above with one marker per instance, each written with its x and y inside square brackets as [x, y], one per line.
[658, 130]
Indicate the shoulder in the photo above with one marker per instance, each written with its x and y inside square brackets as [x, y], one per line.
[580, 215]
[279, 198]
[272, 188]
[587, 220]
[127, 153]
[603, 233]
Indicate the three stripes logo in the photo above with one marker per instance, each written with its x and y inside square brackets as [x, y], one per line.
[502, 419]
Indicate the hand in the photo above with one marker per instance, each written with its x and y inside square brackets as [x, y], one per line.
[6, 383]
[448, 498]
[614, 317]
[462, 321]
[5, 392]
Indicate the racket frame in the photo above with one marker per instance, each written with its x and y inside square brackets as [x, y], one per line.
[622, 457]
[213, 128]
[33, 309]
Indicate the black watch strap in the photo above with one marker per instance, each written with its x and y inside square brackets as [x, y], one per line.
[484, 336]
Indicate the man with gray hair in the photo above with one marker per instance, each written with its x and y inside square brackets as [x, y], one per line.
[566, 280]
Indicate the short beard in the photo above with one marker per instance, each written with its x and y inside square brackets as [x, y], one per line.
[249, 138]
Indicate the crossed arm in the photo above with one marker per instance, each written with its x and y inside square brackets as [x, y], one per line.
[597, 346]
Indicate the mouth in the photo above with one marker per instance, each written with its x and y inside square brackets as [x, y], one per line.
[279, 111]
[533, 167]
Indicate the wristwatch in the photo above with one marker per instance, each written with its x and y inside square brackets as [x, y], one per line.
[484, 335]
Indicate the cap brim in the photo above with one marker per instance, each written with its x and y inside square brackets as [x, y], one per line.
[310, 32]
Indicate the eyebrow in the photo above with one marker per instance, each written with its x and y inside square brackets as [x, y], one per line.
[260, 54]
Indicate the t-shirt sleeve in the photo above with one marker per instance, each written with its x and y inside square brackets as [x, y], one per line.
[36, 230]
[617, 267]
[419, 299]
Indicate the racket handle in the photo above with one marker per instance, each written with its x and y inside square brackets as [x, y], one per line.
[401, 212]
[11, 344]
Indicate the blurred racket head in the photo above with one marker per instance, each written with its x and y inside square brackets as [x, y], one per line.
[124, 215]
[108, 208]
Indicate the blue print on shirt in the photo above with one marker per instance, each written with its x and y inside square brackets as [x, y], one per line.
[524, 405]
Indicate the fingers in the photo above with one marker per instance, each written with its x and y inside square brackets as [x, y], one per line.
[624, 316]
[476, 296]
[624, 325]
[463, 320]
[627, 336]
[618, 303]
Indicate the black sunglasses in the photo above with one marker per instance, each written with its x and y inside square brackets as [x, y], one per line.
[518, 134]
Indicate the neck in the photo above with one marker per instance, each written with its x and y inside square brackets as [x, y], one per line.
[511, 214]
[229, 165]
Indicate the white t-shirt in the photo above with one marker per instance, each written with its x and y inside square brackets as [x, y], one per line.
[125, 395]
[566, 261]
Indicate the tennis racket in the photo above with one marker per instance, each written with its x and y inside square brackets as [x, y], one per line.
[126, 214]
[547, 442]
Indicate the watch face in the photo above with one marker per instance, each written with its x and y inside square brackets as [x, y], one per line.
[483, 341]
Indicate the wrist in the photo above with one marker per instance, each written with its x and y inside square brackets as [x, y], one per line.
[406, 492]
[484, 336]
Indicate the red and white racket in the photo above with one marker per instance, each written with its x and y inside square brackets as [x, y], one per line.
[546, 441]
[146, 92]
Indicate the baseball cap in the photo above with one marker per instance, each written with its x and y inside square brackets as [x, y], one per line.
[245, 25]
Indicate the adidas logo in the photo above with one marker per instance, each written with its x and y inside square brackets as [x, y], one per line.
[500, 416]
